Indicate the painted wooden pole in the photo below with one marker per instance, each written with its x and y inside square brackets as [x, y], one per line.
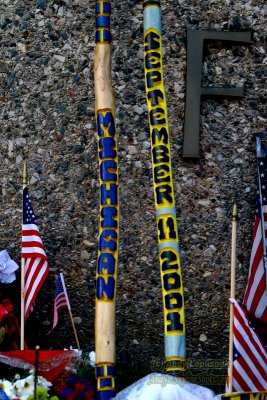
[109, 207]
[172, 288]
[232, 295]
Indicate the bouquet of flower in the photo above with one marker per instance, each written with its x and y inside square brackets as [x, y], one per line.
[24, 388]
[75, 388]
[77, 383]
[80, 384]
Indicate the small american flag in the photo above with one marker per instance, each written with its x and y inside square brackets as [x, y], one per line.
[61, 298]
[32, 250]
[250, 357]
[255, 299]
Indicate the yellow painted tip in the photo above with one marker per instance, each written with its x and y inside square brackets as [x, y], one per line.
[234, 211]
[25, 173]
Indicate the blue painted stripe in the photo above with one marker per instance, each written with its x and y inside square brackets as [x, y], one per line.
[172, 245]
[97, 8]
[105, 394]
[103, 7]
[107, 8]
[106, 36]
[98, 36]
[166, 210]
[152, 18]
[100, 371]
[103, 36]
[111, 370]
[105, 382]
[103, 21]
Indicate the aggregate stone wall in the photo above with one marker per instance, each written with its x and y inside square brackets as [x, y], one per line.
[47, 117]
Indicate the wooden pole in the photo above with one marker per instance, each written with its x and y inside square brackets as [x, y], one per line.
[37, 348]
[70, 313]
[168, 241]
[22, 285]
[74, 329]
[106, 274]
[232, 295]
[261, 152]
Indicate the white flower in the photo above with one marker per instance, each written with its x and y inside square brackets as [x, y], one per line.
[6, 386]
[44, 383]
[78, 351]
[23, 397]
[92, 358]
[23, 388]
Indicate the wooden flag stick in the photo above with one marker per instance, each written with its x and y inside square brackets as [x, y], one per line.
[232, 295]
[22, 299]
[37, 348]
[70, 313]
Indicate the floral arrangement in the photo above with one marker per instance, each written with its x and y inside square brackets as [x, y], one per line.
[24, 388]
[81, 383]
[77, 384]
[76, 388]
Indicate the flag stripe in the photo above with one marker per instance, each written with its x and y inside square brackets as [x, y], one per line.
[30, 231]
[61, 301]
[30, 227]
[26, 240]
[250, 358]
[34, 283]
[32, 250]
[257, 306]
[241, 321]
[239, 382]
[244, 380]
[255, 298]
[250, 362]
[37, 251]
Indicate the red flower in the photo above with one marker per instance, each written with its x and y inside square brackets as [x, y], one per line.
[79, 387]
[89, 395]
